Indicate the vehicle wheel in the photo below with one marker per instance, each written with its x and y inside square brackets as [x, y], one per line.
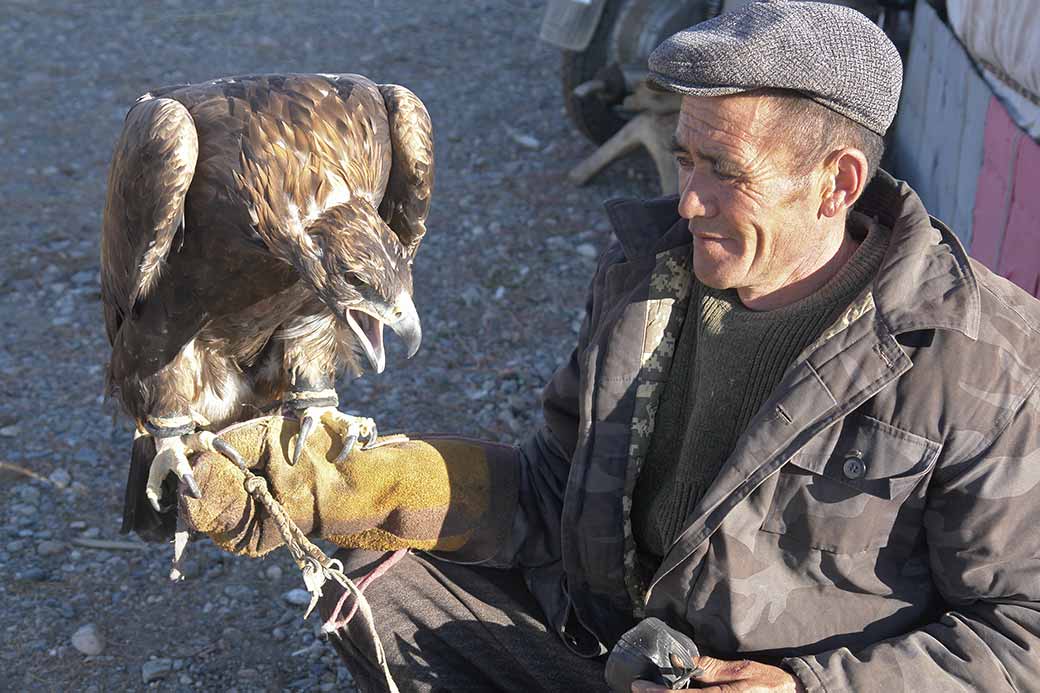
[595, 115]
[628, 30]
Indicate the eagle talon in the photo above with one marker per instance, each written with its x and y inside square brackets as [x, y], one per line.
[193, 486]
[372, 436]
[225, 449]
[349, 429]
[307, 424]
[172, 456]
[348, 445]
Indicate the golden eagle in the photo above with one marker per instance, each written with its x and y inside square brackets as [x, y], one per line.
[258, 233]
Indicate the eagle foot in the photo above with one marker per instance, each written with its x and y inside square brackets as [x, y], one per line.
[172, 456]
[350, 429]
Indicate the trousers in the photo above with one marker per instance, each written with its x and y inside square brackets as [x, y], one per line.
[451, 627]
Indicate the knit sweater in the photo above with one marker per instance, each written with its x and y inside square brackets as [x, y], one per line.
[727, 361]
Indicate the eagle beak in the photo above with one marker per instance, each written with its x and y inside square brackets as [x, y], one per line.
[405, 323]
[402, 318]
[369, 331]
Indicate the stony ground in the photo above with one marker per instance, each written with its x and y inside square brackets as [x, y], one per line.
[499, 286]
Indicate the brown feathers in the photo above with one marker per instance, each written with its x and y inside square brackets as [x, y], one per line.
[245, 218]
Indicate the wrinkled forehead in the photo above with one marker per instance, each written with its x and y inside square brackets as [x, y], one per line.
[737, 123]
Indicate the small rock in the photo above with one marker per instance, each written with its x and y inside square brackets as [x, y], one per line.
[586, 250]
[84, 277]
[28, 493]
[278, 633]
[60, 478]
[49, 547]
[77, 524]
[155, 669]
[85, 456]
[32, 575]
[239, 591]
[10, 431]
[273, 572]
[471, 295]
[524, 140]
[91, 533]
[297, 597]
[88, 640]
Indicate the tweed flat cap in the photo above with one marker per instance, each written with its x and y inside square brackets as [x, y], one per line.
[832, 54]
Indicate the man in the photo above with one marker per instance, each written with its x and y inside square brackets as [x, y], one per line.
[800, 426]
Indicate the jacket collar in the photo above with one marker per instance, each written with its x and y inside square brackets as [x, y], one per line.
[646, 227]
[925, 281]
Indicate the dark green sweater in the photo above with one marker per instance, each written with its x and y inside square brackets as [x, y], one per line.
[727, 361]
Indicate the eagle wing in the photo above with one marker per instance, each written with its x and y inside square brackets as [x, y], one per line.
[406, 202]
[152, 167]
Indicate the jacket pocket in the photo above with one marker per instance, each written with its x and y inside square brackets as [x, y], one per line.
[854, 490]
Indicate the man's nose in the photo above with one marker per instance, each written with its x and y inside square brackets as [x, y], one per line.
[693, 203]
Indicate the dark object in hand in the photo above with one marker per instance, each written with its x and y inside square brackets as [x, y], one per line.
[652, 651]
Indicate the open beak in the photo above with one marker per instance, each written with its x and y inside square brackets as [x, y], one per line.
[406, 323]
[402, 319]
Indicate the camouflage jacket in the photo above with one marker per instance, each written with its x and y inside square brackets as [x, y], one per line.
[876, 525]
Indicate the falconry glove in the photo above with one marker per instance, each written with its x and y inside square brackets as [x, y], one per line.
[431, 494]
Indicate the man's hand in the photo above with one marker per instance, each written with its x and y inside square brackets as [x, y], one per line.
[739, 676]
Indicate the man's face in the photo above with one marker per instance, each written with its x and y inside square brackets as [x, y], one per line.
[753, 221]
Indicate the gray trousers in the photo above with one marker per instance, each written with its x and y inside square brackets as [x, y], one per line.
[448, 627]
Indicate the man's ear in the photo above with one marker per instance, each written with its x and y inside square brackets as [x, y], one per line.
[845, 179]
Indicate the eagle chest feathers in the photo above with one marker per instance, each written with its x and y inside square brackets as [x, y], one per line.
[259, 232]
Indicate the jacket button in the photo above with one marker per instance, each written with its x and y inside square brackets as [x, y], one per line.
[854, 467]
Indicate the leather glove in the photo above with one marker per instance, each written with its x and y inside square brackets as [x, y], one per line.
[400, 493]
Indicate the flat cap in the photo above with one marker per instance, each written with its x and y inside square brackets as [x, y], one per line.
[832, 54]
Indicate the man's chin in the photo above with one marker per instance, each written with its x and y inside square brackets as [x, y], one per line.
[714, 275]
[716, 265]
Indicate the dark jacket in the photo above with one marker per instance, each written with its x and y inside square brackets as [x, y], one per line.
[876, 525]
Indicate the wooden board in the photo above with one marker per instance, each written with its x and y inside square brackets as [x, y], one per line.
[995, 185]
[938, 141]
[1020, 260]
[973, 129]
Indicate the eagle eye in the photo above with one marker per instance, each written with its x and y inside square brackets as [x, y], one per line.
[354, 279]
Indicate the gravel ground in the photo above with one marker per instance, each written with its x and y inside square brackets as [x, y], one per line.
[499, 285]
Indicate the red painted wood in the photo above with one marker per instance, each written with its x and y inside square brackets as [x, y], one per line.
[1020, 258]
[994, 186]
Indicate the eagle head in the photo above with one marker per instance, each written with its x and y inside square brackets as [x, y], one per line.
[363, 274]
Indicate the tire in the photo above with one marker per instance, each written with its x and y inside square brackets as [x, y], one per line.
[595, 117]
[628, 30]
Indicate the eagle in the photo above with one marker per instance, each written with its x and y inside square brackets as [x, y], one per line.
[259, 232]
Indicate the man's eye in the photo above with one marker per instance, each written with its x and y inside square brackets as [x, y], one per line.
[722, 171]
[684, 162]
